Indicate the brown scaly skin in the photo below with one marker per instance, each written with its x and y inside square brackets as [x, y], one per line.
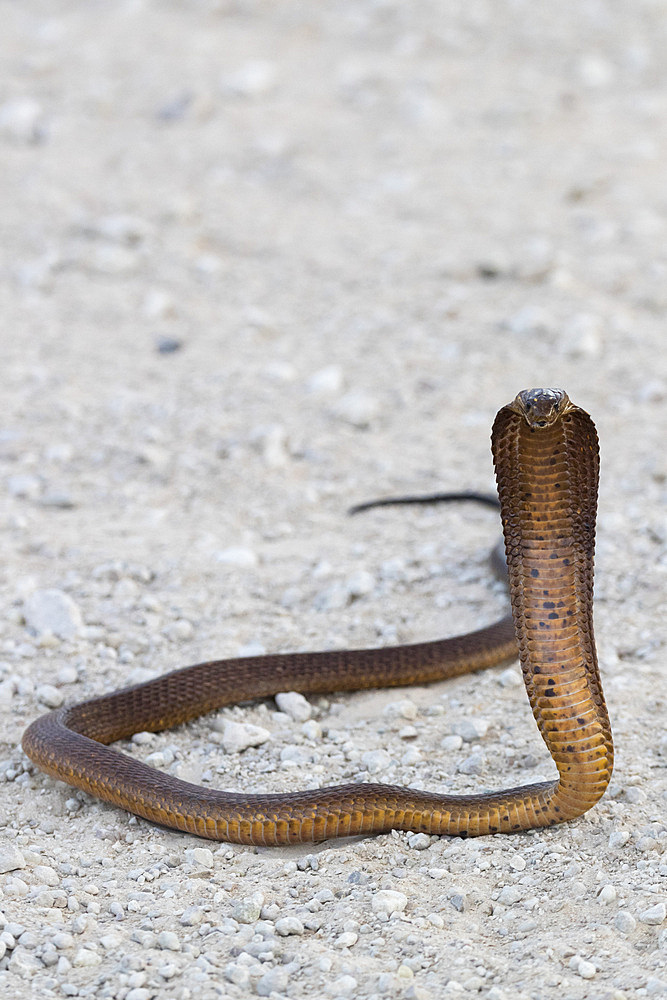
[546, 456]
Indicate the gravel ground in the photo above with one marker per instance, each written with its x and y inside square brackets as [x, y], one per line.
[259, 262]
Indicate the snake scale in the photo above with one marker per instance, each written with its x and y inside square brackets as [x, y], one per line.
[546, 458]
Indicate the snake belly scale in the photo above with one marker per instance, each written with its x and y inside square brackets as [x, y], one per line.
[546, 458]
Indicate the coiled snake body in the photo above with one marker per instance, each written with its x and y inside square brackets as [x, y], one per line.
[546, 457]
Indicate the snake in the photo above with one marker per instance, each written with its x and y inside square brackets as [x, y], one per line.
[546, 458]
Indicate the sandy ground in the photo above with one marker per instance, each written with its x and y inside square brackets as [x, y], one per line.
[261, 261]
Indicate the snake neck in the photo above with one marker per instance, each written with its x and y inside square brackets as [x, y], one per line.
[547, 483]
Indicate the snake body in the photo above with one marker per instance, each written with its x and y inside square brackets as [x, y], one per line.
[546, 457]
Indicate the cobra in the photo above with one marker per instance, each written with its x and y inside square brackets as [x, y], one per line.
[546, 459]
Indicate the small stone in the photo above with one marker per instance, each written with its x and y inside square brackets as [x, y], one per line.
[272, 444]
[273, 981]
[344, 986]
[451, 743]
[168, 941]
[654, 915]
[586, 969]
[191, 916]
[295, 705]
[510, 895]
[346, 940]
[287, 926]
[618, 839]
[360, 583]
[375, 761]
[518, 862]
[248, 910]
[86, 958]
[52, 611]
[46, 875]
[404, 709]
[419, 841]
[510, 677]
[179, 631]
[237, 974]
[624, 922]
[326, 380]
[238, 736]
[470, 729]
[607, 894]
[22, 119]
[254, 78]
[200, 856]
[49, 695]
[389, 901]
[11, 859]
[311, 729]
[472, 765]
[237, 555]
[357, 408]
[24, 486]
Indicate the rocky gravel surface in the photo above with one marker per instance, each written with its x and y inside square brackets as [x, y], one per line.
[260, 262]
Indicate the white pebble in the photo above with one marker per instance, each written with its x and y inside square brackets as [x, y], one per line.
[343, 986]
[273, 981]
[237, 555]
[586, 969]
[311, 729]
[357, 408]
[272, 444]
[8, 690]
[510, 677]
[518, 862]
[168, 941]
[619, 839]
[470, 729]
[254, 78]
[295, 705]
[346, 940]
[11, 859]
[201, 856]
[334, 598]
[49, 695]
[67, 674]
[375, 761]
[52, 611]
[624, 922]
[287, 926]
[360, 583]
[389, 901]
[451, 743]
[86, 958]
[654, 915]
[419, 841]
[248, 910]
[404, 709]
[238, 736]
[22, 119]
[24, 486]
[326, 380]
[191, 916]
[46, 875]
[472, 765]
[179, 630]
[237, 974]
[607, 894]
